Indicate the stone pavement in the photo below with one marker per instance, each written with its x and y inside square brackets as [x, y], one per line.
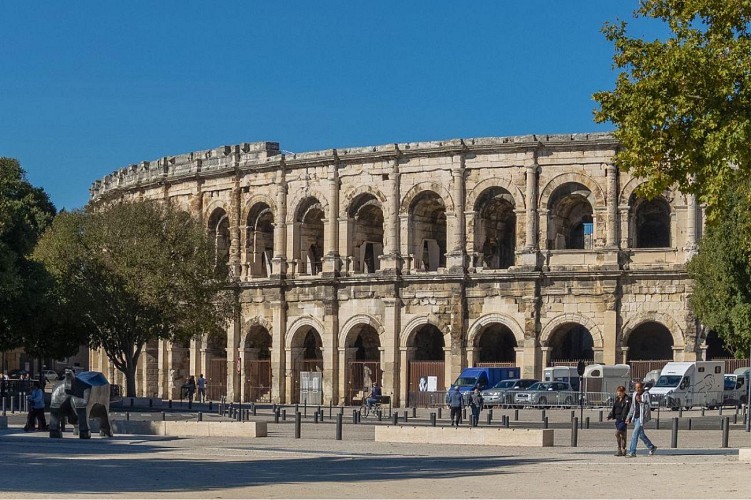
[318, 466]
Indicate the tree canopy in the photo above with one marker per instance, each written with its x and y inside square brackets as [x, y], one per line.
[682, 105]
[722, 291]
[133, 272]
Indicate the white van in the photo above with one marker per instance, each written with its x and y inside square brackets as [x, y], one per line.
[606, 378]
[562, 374]
[651, 378]
[688, 384]
[736, 390]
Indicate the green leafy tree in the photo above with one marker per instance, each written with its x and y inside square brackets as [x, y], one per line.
[722, 291]
[133, 272]
[26, 302]
[682, 104]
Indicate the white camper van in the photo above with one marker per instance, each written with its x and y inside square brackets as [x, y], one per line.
[605, 378]
[688, 384]
[736, 391]
[562, 374]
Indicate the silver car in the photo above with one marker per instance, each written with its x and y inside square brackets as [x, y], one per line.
[502, 393]
[546, 394]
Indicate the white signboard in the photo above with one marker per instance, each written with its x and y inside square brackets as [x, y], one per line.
[432, 384]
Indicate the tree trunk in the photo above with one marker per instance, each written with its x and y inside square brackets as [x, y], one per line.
[131, 362]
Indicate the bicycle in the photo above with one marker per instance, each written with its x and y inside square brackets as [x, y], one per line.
[368, 410]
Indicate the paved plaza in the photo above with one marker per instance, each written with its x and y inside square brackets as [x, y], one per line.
[318, 466]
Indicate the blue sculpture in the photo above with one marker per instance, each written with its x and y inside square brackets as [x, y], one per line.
[79, 398]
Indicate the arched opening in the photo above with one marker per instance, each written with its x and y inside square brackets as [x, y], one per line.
[259, 241]
[366, 226]
[219, 234]
[571, 342]
[426, 364]
[428, 231]
[651, 219]
[363, 356]
[571, 224]
[495, 229]
[216, 366]
[307, 366]
[650, 341]
[716, 348]
[309, 236]
[257, 363]
[496, 346]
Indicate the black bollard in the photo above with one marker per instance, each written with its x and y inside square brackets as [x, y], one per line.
[298, 425]
[414, 412]
[599, 417]
[169, 404]
[276, 416]
[253, 409]
[516, 415]
[464, 413]
[3, 406]
[151, 403]
[573, 412]
[680, 412]
[210, 406]
[164, 416]
[586, 423]
[395, 417]
[354, 416]
[735, 418]
[339, 426]
[674, 434]
[406, 415]
[725, 431]
[574, 432]
[200, 416]
[489, 417]
[132, 402]
[316, 417]
[439, 412]
[543, 415]
[127, 416]
[284, 414]
[702, 412]
[690, 421]
[545, 423]
[506, 421]
[490, 412]
[432, 419]
[331, 407]
[720, 410]
[12, 404]
[380, 414]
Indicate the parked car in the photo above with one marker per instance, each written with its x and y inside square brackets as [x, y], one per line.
[50, 375]
[18, 373]
[546, 394]
[502, 392]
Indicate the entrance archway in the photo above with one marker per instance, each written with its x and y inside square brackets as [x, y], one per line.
[257, 364]
[496, 346]
[363, 359]
[307, 356]
[426, 364]
[570, 343]
[650, 341]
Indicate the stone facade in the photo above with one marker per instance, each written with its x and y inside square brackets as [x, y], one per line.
[403, 261]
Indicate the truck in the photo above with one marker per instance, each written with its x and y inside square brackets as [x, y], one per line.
[689, 384]
[484, 377]
[736, 390]
[650, 379]
[567, 374]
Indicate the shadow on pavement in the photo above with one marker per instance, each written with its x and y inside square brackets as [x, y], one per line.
[131, 466]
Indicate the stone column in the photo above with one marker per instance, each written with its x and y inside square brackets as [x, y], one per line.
[330, 338]
[234, 231]
[545, 359]
[233, 341]
[691, 209]
[390, 364]
[612, 204]
[331, 239]
[406, 243]
[531, 243]
[471, 353]
[625, 229]
[456, 239]
[624, 354]
[609, 350]
[404, 357]
[390, 261]
[279, 261]
[279, 364]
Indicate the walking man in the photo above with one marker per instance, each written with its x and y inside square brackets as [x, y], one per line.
[639, 414]
[454, 402]
[201, 389]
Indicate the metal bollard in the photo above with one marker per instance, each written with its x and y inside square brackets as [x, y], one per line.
[516, 415]
[702, 412]
[339, 426]
[3, 406]
[490, 417]
[127, 416]
[542, 417]
[315, 420]
[545, 423]
[507, 421]
[735, 418]
[151, 403]
[354, 416]
[405, 416]
[284, 414]
[490, 412]
[720, 410]
[574, 432]
[380, 414]
[200, 416]
[680, 412]
[239, 414]
[599, 418]
[298, 425]
[395, 417]
[253, 409]
[12, 405]
[690, 422]
[464, 413]
[210, 406]
[169, 404]
[586, 423]
[674, 434]
[432, 419]
[439, 412]
[573, 413]
[164, 416]
[725, 431]
[414, 412]
[276, 416]
[132, 402]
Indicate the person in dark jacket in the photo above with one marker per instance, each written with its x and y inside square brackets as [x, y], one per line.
[619, 412]
[475, 402]
[455, 402]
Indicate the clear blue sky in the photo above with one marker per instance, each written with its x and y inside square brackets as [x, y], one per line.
[88, 87]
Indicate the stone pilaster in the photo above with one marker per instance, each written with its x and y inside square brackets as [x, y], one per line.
[279, 261]
[390, 260]
[331, 263]
[612, 204]
[455, 254]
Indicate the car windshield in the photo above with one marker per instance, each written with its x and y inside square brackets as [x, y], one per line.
[466, 381]
[668, 381]
[729, 383]
[539, 386]
[504, 384]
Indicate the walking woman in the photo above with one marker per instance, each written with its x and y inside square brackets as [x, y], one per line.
[619, 412]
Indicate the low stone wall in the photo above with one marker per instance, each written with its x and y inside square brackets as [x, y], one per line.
[139, 403]
[490, 436]
[744, 455]
[190, 429]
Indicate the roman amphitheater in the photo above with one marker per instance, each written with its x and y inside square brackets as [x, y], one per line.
[406, 261]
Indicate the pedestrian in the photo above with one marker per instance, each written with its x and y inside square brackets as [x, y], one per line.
[190, 388]
[619, 413]
[201, 389]
[36, 409]
[475, 402]
[454, 402]
[639, 414]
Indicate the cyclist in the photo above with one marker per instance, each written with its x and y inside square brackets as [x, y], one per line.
[374, 397]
